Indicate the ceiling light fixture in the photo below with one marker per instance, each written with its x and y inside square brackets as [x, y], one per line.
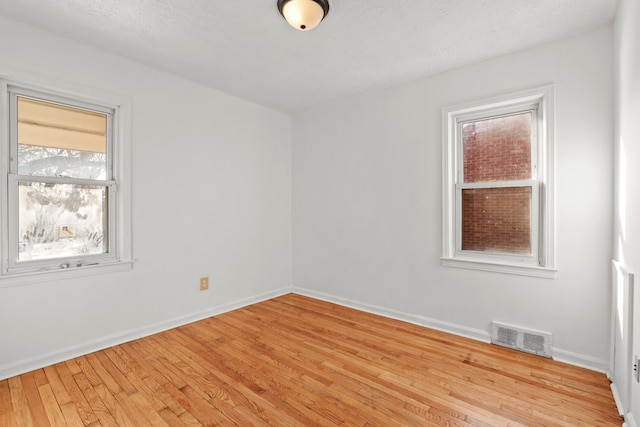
[303, 15]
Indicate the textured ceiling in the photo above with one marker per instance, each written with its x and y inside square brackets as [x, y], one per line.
[245, 48]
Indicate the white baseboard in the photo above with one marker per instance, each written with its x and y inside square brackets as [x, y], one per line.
[438, 325]
[629, 419]
[31, 364]
[571, 358]
[581, 360]
[616, 398]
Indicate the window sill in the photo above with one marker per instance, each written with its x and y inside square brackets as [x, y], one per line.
[518, 269]
[15, 279]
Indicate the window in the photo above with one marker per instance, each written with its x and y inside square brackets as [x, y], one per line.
[66, 206]
[498, 192]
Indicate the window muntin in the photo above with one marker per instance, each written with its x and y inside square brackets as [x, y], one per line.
[61, 190]
[498, 158]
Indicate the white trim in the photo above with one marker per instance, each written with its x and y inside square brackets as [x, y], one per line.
[622, 309]
[541, 99]
[122, 169]
[463, 331]
[28, 365]
[502, 267]
[62, 180]
[580, 360]
[4, 177]
[119, 161]
[31, 364]
[560, 355]
[29, 278]
[616, 396]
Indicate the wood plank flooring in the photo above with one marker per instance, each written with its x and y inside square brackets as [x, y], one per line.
[297, 361]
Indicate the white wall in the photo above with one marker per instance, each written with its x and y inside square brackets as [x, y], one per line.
[211, 197]
[367, 202]
[627, 148]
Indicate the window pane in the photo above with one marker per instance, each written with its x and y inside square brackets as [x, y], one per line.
[497, 149]
[61, 220]
[56, 140]
[497, 220]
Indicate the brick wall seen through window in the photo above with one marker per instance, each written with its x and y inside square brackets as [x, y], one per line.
[497, 219]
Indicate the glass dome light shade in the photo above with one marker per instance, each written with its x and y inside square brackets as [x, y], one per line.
[303, 15]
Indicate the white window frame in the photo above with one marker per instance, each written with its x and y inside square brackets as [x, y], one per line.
[541, 262]
[118, 184]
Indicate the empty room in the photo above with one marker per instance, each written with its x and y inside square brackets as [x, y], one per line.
[319, 213]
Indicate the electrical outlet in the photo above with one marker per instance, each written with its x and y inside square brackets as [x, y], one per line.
[204, 283]
[636, 369]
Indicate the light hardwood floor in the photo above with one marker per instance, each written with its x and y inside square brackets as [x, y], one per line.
[298, 361]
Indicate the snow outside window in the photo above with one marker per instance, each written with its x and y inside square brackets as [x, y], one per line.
[63, 209]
